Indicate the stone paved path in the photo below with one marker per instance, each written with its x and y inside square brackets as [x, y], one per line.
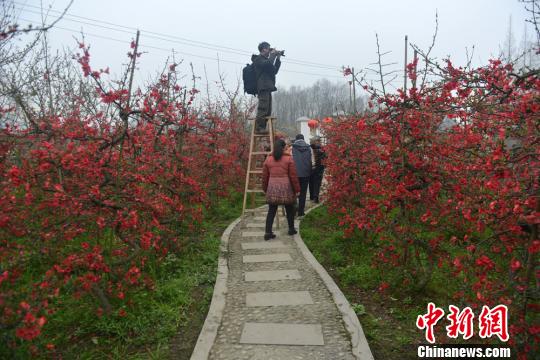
[276, 306]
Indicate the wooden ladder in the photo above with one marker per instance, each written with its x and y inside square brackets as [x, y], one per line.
[258, 151]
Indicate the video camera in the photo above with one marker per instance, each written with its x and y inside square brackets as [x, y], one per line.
[280, 52]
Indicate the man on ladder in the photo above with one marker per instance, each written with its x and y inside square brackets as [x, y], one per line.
[267, 65]
[260, 79]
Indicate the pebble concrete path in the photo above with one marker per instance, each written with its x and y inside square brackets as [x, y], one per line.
[277, 306]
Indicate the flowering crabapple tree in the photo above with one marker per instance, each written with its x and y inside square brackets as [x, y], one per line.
[446, 175]
[99, 183]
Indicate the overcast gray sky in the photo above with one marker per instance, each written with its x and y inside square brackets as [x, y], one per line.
[331, 32]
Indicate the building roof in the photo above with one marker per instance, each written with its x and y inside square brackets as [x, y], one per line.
[303, 119]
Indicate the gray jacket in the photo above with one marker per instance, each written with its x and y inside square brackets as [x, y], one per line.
[302, 158]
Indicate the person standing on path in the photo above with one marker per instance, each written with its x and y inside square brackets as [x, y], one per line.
[317, 171]
[267, 65]
[302, 159]
[280, 184]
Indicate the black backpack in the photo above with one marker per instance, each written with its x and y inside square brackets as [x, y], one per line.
[250, 79]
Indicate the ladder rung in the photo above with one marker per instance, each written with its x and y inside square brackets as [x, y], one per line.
[261, 153]
[268, 118]
[254, 191]
[255, 171]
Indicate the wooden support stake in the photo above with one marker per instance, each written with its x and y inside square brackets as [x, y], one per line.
[405, 68]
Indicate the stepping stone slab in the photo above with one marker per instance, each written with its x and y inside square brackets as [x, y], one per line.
[252, 233]
[253, 225]
[263, 352]
[263, 218]
[254, 240]
[278, 298]
[263, 245]
[266, 258]
[282, 334]
[271, 275]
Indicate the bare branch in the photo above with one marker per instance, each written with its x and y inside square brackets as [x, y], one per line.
[380, 65]
[13, 30]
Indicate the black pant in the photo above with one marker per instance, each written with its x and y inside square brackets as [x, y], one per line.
[264, 109]
[304, 182]
[315, 181]
[272, 210]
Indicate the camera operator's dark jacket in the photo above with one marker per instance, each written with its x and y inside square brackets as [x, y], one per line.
[266, 70]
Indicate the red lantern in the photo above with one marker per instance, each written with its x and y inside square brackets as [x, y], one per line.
[327, 120]
[313, 123]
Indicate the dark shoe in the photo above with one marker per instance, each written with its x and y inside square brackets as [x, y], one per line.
[268, 236]
[316, 201]
[292, 231]
[301, 214]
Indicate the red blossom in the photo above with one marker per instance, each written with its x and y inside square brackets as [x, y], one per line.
[485, 262]
[383, 286]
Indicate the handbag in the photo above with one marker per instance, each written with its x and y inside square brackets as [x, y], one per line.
[280, 191]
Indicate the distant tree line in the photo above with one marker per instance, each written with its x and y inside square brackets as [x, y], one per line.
[319, 100]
